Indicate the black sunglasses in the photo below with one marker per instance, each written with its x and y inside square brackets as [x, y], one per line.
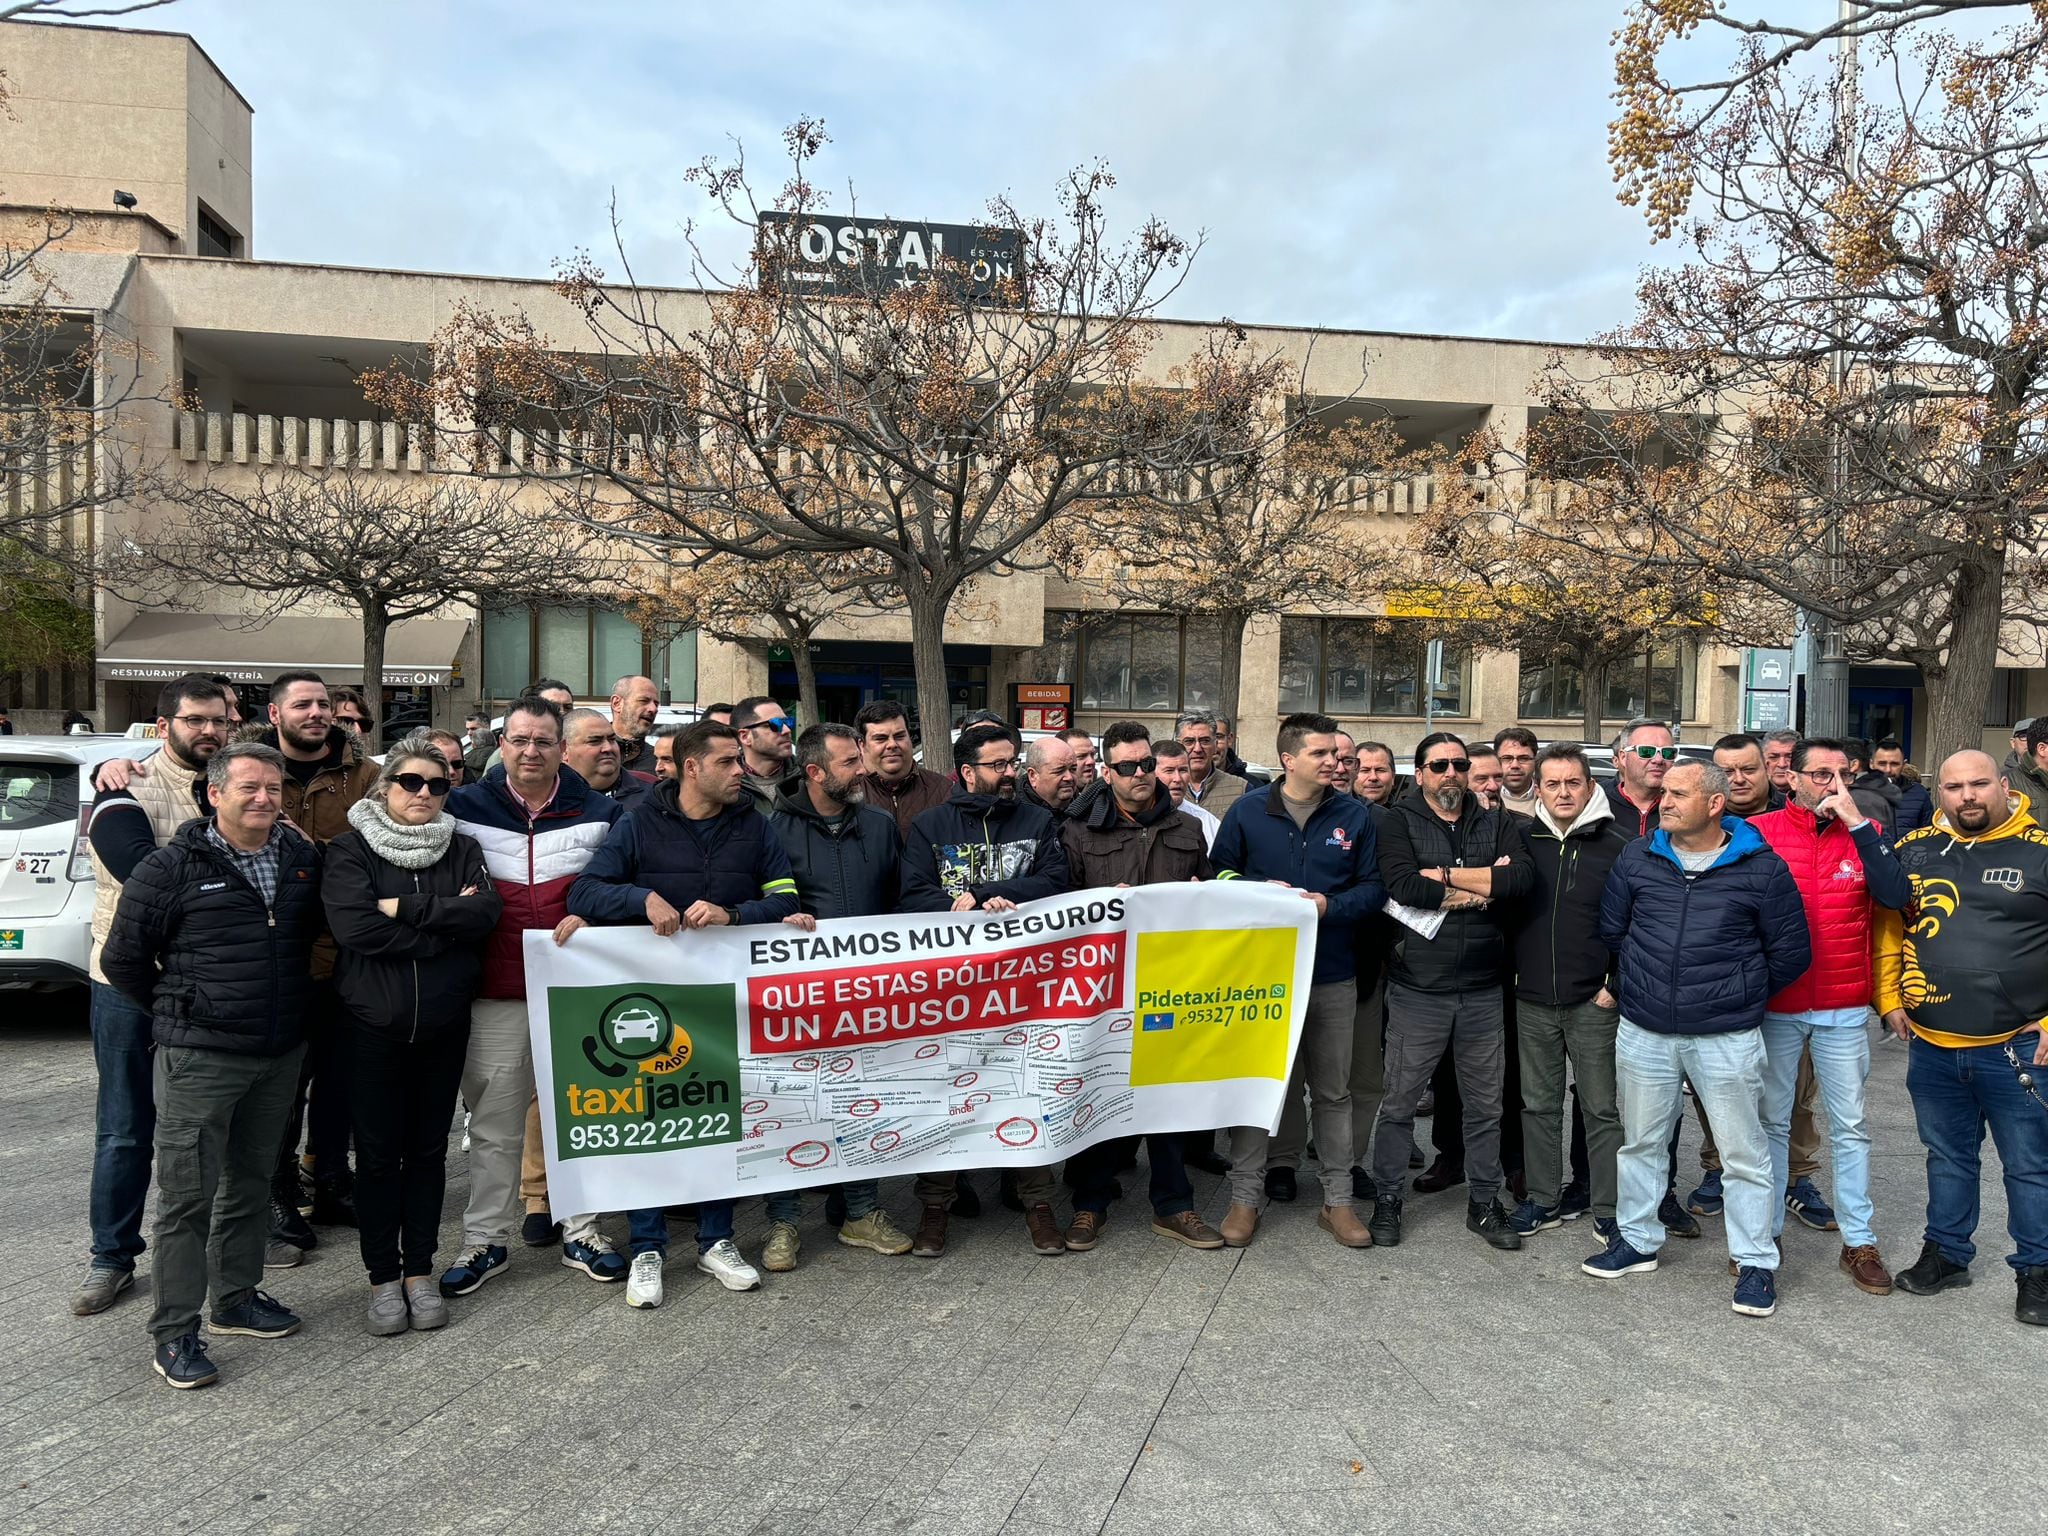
[1449, 765]
[413, 783]
[1131, 770]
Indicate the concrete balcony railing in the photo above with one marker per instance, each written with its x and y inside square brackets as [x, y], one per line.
[215, 437]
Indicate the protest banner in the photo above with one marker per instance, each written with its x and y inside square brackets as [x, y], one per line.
[736, 1061]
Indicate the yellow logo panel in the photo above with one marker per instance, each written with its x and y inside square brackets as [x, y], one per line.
[1212, 1004]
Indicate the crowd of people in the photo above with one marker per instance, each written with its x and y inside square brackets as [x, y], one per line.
[306, 962]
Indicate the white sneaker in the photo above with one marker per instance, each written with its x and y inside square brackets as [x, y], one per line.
[643, 1283]
[722, 1261]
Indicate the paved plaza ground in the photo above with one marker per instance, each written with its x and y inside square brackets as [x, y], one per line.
[1144, 1387]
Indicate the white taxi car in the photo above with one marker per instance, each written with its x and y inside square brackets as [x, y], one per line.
[46, 879]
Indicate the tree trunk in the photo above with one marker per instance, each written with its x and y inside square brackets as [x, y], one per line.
[1593, 706]
[375, 625]
[1233, 671]
[799, 638]
[934, 698]
[1956, 700]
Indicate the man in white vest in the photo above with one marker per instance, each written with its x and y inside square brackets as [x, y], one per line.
[126, 826]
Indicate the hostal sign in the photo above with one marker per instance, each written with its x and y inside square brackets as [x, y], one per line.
[847, 257]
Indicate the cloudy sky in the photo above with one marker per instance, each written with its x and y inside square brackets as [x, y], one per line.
[1430, 165]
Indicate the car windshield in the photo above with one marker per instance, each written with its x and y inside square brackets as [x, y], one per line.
[37, 795]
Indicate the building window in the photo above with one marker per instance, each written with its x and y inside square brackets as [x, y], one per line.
[1148, 662]
[2008, 700]
[587, 648]
[1367, 667]
[214, 237]
[1651, 682]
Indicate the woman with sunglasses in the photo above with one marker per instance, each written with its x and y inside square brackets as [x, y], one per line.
[410, 904]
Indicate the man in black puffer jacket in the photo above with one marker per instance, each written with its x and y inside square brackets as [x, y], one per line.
[214, 935]
[1440, 852]
[843, 854]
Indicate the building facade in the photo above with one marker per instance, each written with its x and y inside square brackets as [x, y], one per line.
[238, 368]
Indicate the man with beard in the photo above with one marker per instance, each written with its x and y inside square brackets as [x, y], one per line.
[984, 850]
[1516, 748]
[1961, 974]
[767, 748]
[1644, 751]
[125, 827]
[694, 855]
[634, 706]
[1440, 851]
[327, 770]
[1133, 835]
[895, 783]
[845, 858]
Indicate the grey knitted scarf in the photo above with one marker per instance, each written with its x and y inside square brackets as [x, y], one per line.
[407, 847]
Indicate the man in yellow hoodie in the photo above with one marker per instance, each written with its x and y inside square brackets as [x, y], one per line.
[1963, 973]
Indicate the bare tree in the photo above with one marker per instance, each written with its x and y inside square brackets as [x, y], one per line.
[386, 547]
[946, 429]
[1855, 344]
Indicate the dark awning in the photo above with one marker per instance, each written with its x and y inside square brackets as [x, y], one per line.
[156, 647]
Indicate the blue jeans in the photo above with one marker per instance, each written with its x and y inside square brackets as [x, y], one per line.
[1841, 1062]
[1956, 1093]
[647, 1229]
[1093, 1169]
[124, 1126]
[862, 1196]
[1727, 1073]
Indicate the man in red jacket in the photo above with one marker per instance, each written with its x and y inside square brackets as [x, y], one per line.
[1844, 868]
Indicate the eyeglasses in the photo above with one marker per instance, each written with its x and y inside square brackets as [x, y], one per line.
[1000, 765]
[774, 723]
[1819, 775]
[413, 783]
[202, 722]
[1131, 769]
[1646, 753]
[533, 743]
[1449, 765]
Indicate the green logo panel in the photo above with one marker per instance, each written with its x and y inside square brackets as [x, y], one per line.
[644, 1068]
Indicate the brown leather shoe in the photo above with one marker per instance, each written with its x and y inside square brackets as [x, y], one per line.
[1084, 1230]
[1187, 1227]
[1342, 1223]
[1044, 1227]
[1866, 1269]
[930, 1241]
[1239, 1223]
